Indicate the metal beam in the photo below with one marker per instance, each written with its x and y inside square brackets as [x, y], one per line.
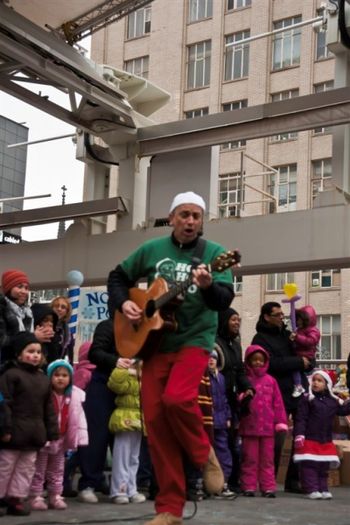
[330, 108]
[41, 56]
[318, 247]
[100, 16]
[18, 219]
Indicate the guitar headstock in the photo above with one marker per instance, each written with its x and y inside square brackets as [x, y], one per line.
[225, 260]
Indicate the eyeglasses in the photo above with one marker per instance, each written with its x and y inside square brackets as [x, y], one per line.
[279, 314]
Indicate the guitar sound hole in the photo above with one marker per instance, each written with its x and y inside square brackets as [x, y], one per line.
[150, 308]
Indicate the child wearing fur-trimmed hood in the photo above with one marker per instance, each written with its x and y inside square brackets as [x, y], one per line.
[314, 449]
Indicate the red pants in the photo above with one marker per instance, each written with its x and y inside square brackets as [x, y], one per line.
[173, 420]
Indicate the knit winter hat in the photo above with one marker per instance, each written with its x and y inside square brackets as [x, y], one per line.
[21, 340]
[65, 364]
[189, 197]
[214, 354]
[329, 385]
[12, 278]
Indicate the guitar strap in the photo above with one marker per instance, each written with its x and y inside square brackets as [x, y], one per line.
[198, 252]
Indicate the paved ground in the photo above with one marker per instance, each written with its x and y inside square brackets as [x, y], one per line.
[286, 509]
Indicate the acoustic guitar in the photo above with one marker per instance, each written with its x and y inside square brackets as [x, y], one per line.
[158, 304]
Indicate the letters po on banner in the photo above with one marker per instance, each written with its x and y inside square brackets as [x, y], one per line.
[93, 309]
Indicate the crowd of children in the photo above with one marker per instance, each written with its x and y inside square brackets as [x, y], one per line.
[43, 423]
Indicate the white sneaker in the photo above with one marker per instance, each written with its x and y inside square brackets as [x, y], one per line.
[138, 498]
[298, 391]
[226, 493]
[87, 495]
[120, 500]
[327, 495]
[315, 495]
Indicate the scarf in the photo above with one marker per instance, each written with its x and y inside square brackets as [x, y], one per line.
[23, 314]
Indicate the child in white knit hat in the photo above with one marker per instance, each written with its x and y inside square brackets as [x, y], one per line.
[314, 448]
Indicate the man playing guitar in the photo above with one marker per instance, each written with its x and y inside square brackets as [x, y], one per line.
[171, 375]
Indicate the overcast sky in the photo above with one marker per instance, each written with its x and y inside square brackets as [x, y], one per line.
[50, 165]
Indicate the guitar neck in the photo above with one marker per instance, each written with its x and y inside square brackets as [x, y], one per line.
[219, 264]
[176, 289]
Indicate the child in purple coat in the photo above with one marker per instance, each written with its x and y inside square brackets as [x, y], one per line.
[222, 422]
[314, 448]
[266, 415]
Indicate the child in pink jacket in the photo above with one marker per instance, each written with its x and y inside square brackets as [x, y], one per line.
[67, 400]
[83, 368]
[266, 415]
[306, 339]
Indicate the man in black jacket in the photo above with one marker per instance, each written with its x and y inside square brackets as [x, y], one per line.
[274, 337]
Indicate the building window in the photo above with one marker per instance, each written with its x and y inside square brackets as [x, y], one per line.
[200, 9]
[325, 279]
[236, 4]
[276, 281]
[230, 106]
[322, 50]
[319, 88]
[236, 57]
[330, 342]
[283, 186]
[198, 73]
[237, 284]
[138, 66]
[286, 45]
[230, 194]
[321, 176]
[284, 95]
[200, 112]
[139, 22]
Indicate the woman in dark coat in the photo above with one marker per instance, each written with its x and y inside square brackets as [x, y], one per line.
[230, 364]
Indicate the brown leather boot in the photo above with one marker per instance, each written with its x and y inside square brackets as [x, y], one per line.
[213, 477]
[165, 518]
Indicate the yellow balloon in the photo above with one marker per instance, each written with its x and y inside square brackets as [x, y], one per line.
[290, 289]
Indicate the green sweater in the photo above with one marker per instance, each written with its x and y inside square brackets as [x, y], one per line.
[196, 323]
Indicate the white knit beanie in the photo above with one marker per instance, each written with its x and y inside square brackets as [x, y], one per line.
[329, 385]
[189, 197]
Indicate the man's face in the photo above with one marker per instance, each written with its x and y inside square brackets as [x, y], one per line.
[186, 220]
[234, 324]
[275, 318]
